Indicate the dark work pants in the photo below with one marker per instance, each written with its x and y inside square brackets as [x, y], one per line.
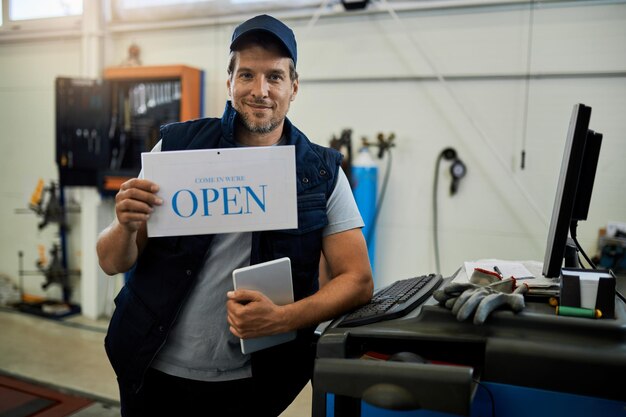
[280, 373]
[170, 396]
[167, 395]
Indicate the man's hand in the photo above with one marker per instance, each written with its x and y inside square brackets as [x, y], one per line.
[252, 314]
[134, 203]
[120, 244]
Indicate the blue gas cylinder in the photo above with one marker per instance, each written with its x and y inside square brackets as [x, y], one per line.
[364, 187]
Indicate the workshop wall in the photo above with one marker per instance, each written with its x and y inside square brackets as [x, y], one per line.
[374, 74]
[27, 149]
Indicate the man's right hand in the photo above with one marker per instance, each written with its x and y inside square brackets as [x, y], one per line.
[134, 203]
[120, 244]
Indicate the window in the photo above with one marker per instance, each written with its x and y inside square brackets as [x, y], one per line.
[40, 9]
[138, 4]
[27, 17]
[150, 10]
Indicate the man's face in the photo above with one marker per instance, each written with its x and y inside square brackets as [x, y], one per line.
[260, 89]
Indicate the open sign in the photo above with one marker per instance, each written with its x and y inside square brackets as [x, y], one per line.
[222, 190]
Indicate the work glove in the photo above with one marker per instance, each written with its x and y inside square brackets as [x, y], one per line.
[482, 295]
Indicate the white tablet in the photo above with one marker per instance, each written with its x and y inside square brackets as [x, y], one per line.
[273, 279]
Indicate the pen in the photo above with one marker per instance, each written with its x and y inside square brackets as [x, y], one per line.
[495, 268]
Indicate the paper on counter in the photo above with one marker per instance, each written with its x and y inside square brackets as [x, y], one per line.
[529, 272]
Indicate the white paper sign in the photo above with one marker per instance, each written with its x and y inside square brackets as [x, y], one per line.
[222, 190]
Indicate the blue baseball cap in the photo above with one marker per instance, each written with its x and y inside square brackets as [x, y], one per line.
[271, 25]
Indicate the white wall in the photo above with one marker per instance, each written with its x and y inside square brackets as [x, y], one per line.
[372, 73]
[27, 73]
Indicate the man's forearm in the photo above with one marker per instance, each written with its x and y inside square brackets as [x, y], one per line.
[350, 282]
[339, 295]
[117, 249]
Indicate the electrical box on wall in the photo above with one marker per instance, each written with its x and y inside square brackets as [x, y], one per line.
[103, 126]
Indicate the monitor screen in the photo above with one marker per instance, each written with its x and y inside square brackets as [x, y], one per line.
[573, 194]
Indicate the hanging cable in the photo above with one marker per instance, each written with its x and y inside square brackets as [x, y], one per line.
[316, 15]
[449, 154]
[529, 49]
[435, 209]
[464, 111]
[490, 394]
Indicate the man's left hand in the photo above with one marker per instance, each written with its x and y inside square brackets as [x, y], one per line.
[251, 314]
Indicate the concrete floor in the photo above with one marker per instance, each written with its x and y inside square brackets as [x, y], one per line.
[69, 355]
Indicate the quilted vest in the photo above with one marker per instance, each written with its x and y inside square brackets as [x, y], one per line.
[158, 285]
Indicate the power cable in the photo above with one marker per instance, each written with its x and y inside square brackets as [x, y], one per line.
[529, 49]
[572, 231]
[435, 220]
[488, 391]
[316, 15]
[457, 170]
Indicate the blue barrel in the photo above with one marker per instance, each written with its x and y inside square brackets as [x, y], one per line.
[365, 188]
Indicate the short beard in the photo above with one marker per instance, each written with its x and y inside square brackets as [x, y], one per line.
[258, 128]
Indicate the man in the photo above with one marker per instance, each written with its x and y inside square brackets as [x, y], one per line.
[174, 337]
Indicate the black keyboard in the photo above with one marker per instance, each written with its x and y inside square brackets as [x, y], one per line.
[394, 300]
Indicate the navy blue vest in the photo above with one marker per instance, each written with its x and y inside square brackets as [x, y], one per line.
[148, 304]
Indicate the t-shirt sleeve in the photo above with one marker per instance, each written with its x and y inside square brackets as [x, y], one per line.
[343, 213]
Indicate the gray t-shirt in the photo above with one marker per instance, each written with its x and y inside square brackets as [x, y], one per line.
[200, 345]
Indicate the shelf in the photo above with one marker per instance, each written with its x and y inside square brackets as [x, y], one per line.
[190, 79]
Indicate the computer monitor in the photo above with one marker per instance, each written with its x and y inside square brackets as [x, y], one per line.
[573, 194]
